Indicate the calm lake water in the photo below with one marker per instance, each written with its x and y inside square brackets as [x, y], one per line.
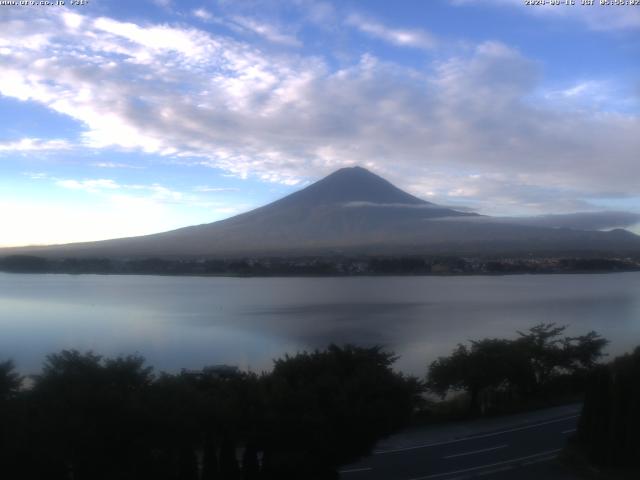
[194, 321]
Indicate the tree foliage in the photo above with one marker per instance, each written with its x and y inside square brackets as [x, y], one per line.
[610, 421]
[328, 407]
[525, 366]
[10, 380]
[95, 418]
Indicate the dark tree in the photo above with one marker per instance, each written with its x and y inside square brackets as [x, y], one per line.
[24, 264]
[10, 381]
[531, 365]
[488, 363]
[329, 407]
[12, 421]
[89, 416]
[551, 355]
[544, 347]
[583, 352]
[610, 420]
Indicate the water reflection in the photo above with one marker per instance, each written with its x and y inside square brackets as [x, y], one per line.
[191, 321]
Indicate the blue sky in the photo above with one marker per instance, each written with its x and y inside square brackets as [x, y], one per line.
[123, 118]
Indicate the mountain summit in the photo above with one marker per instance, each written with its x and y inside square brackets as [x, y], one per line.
[350, 211]
[351, 184]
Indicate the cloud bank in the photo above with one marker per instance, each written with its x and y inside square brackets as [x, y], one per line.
[604, 220]
[467, 127]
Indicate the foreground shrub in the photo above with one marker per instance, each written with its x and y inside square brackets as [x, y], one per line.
[539, 363]
[90, 418]
[610, 422]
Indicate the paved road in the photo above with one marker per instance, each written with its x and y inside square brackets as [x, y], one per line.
[524, 449]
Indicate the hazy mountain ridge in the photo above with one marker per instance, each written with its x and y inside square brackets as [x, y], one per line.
[352, 211]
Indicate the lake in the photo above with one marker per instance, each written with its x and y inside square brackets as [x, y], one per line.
[189, 322]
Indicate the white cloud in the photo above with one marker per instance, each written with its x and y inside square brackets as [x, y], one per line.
[401, 37]
[595, 17]
[154, 193]
[114, 165]
[577, 90]
[89, 185]
[36, 175]
[190, 43]
[161, 193]
[33, 145]
[462, 128]
[206, 189]
[72, 20]
[595, 95]
[202, 14]
[266, 30]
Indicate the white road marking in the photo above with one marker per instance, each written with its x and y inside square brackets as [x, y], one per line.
[539, 460]
[354, 470]
[466, 439]
[569, 431]
[476, 451]
[489, 465]
[494, 470]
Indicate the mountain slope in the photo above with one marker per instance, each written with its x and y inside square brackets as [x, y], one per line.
[352, 211]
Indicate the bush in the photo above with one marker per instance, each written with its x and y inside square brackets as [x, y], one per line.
[87, 417]
[539, 363]
[610, 420]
